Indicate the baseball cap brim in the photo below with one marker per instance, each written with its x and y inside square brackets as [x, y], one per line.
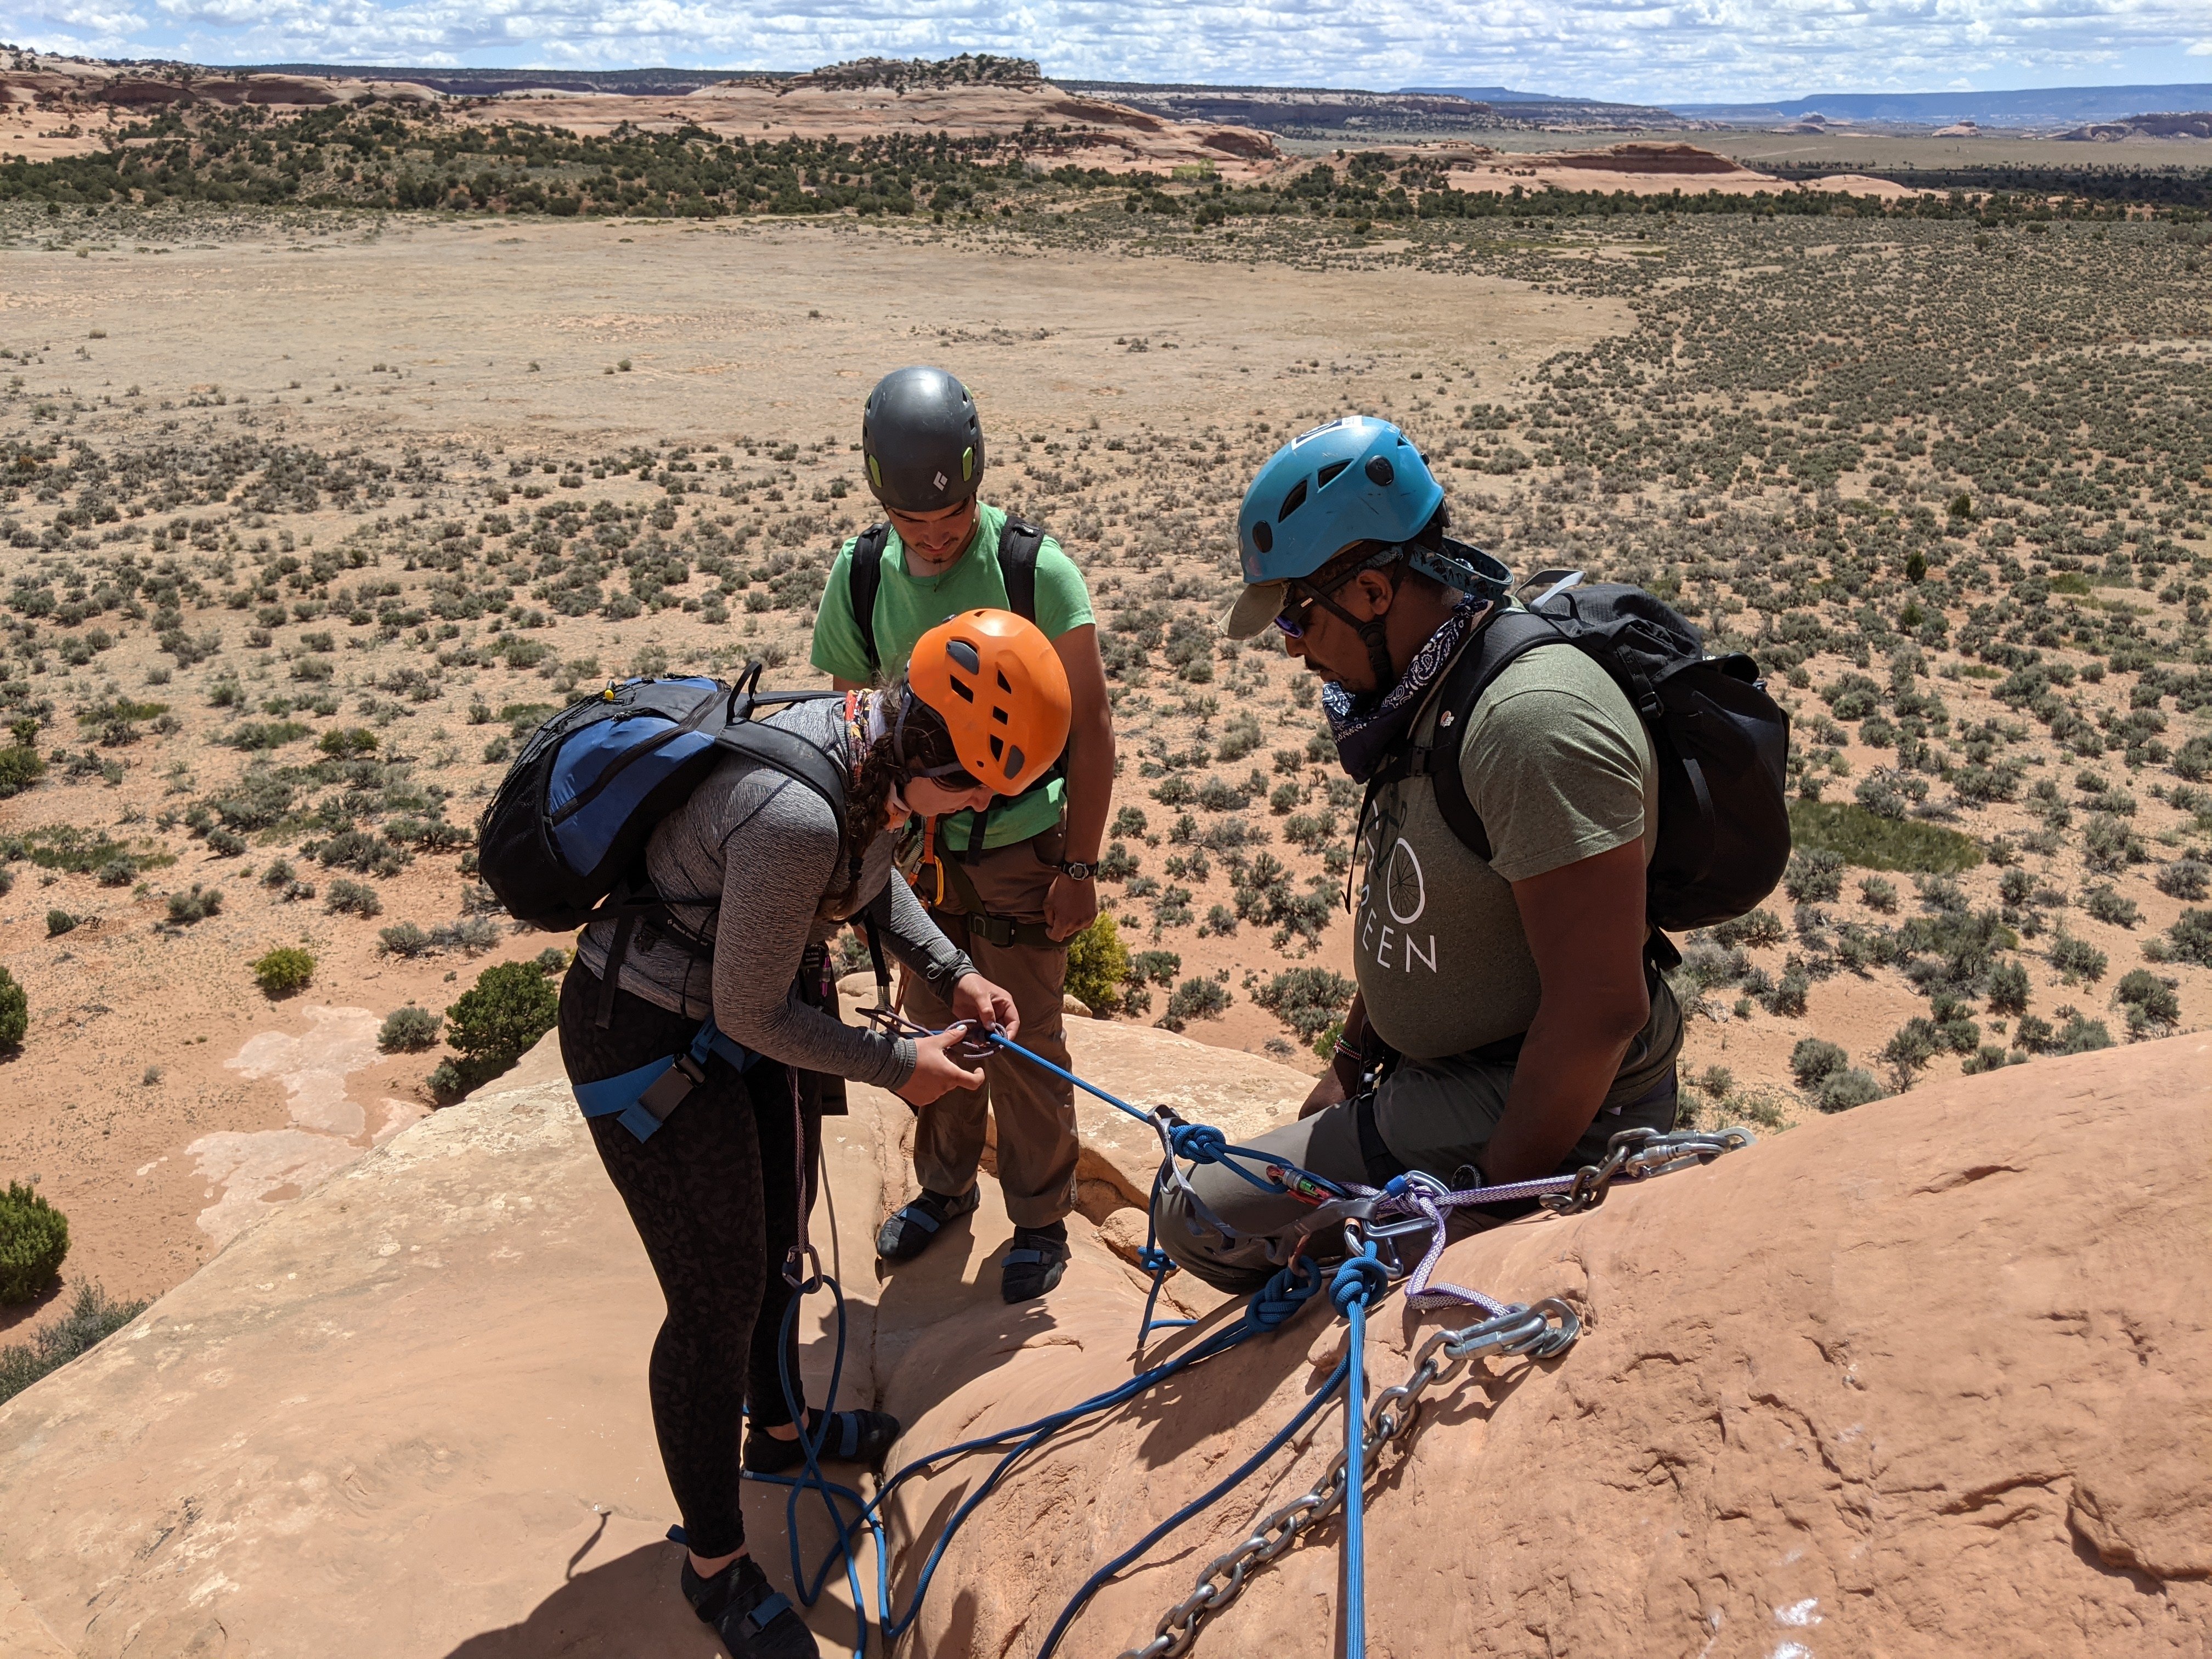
[1257, 606]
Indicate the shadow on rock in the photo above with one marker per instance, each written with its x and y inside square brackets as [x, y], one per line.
[630, 1608]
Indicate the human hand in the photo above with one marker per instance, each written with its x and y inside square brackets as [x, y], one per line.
[976, 999]
[935, 1071]
[1070, 906]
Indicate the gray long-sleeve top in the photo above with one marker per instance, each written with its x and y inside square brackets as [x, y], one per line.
[768, 845]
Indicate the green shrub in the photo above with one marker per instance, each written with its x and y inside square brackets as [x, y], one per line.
[1910, 1049]
[284, 970]
[2009, 988]
[59, 922]
[1194, 998]
[1097, 963]
[1839, 1091]
[402, 939]
[91, 1319]
[407, 1031]
[2149, 999]
[34, 1239]
[1307, 1000]
[1815, 876]
[2192, 937]
[1874, 842]
[2077, 958]
[1814, 1059]
[15, 1013]
[348, 898]
[493, 1024]
[20, 768]
[2081, 1034]
[2186, 877]
[196, 906]
[2105, 904]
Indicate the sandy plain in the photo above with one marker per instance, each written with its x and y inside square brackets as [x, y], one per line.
[479, 346]
[443, 384]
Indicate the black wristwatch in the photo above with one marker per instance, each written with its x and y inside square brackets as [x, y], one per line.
[1077, 870]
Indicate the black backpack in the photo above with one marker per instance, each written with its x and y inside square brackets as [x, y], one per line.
[562, 842]
[1723, 744]
[1020, 543]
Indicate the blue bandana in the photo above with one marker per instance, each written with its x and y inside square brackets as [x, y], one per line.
[1365, 736]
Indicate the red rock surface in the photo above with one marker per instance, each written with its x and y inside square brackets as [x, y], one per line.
[1933, 1377]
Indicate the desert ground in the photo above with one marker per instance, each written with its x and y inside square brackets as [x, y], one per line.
[310, 515]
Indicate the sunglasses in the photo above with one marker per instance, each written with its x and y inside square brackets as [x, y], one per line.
[1304, 596]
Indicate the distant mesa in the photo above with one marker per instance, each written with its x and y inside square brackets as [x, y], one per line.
[2193, 123]
[1959, 130]
[1646, 158]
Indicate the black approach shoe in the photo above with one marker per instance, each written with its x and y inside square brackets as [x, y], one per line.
[753, 1619]
[910, 1231]
[1035, 1263]
[854, 1437]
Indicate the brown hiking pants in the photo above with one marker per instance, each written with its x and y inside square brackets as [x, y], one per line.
[1034, 1109]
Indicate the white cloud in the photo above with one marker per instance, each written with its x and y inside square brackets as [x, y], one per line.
[1637, 49]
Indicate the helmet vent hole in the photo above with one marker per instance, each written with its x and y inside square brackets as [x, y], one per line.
[1004, 686]
[1328, 475]
[965, 653]
[1263, 537]
[998, 746]
[1015, 762]
[967, 693]
[999, 715]
[1292, 501]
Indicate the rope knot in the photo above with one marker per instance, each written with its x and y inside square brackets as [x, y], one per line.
[1157, 1262]
[1287, 1290]
[1202, 1143]
[1359, 1281]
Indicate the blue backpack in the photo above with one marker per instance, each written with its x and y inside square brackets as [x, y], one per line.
[563, 843]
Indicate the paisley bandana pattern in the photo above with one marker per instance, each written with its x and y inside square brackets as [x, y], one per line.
[1365, 736]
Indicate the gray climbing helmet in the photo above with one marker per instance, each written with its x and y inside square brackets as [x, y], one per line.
[921, 440]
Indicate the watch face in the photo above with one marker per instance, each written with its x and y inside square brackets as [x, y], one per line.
[1075, 871]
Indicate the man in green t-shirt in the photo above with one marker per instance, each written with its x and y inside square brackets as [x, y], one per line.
[1512, 989]
[1013, 897]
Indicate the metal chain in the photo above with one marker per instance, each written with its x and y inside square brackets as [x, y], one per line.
[1530, 1330]
[1637, 1154]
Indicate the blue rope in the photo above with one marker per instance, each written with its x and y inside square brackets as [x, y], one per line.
[1359, 1281]
[1198, 1505]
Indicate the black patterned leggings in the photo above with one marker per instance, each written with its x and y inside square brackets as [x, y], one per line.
[714, 1196]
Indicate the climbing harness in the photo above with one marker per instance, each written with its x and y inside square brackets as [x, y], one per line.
[1373, 1221]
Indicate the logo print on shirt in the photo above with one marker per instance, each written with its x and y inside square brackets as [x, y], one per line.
[1405, 889]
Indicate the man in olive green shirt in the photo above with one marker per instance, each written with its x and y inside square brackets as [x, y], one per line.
[1513, 990]
[1013, 902]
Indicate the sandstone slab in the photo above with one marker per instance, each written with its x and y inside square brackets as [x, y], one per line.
[1931, 1377]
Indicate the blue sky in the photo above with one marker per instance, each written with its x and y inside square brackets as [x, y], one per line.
[1641, 51]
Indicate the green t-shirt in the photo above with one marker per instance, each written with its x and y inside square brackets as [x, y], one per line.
[906, 607]
[1560, 769]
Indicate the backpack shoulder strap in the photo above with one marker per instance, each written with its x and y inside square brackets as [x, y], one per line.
[1508, 637]
[804, 762]
[864, 579]
[1020, 543]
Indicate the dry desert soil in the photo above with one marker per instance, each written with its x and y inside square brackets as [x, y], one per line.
[308, 517]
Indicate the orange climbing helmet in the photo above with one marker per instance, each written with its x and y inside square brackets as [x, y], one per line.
[995, 681]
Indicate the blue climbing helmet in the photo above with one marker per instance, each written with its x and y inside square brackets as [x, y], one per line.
[1357, 479]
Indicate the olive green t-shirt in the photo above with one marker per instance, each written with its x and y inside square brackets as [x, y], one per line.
[906, 607]
[1560, 769]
